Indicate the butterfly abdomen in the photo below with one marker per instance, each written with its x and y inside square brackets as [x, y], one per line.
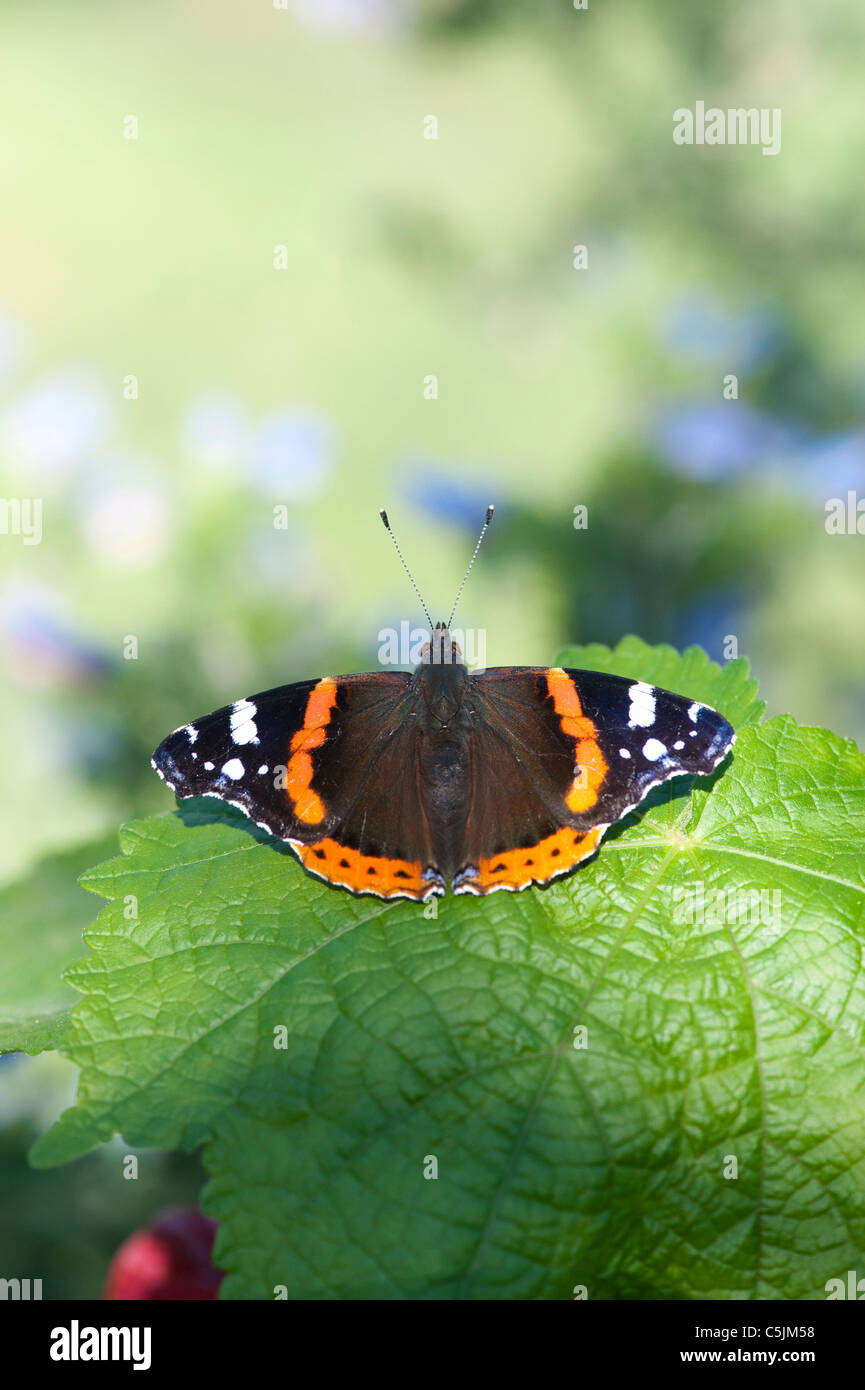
[445, 781]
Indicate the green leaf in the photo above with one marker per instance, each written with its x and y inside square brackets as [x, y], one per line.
[713, 1046]
[42, 918]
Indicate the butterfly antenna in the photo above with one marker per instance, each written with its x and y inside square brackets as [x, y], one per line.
[488, 519]
[383, 514]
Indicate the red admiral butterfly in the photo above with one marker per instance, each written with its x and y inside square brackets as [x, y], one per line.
[394, 783]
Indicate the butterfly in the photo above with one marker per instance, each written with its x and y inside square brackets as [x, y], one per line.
[401, 783]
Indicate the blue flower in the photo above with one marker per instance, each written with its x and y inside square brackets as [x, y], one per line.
[710, 620]
[292, 453]
[701, 326]
[58, 424]
[44, 647]
[723, 438]
[448, 498]
[834, 464]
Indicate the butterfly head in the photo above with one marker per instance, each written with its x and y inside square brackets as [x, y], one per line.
[442, 650]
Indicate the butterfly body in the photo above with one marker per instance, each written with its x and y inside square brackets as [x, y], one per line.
[397, 783]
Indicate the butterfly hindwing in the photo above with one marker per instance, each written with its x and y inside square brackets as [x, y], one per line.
[559, 756]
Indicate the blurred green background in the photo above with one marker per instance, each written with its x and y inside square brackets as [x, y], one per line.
[258, 387]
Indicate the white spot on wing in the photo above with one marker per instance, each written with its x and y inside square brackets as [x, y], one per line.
[233, 769]
[693, 711]
[678, 744]
[262, 769]
[242, 720]
[192, 732]
[642, 709]
[653, 749]
[623, 753]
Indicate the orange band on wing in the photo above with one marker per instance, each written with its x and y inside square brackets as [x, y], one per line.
[363, 873]
[517, 868]
[307, 805]
[590, 765]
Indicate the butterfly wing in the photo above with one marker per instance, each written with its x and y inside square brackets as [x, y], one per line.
[329, 766]
[559, 756]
